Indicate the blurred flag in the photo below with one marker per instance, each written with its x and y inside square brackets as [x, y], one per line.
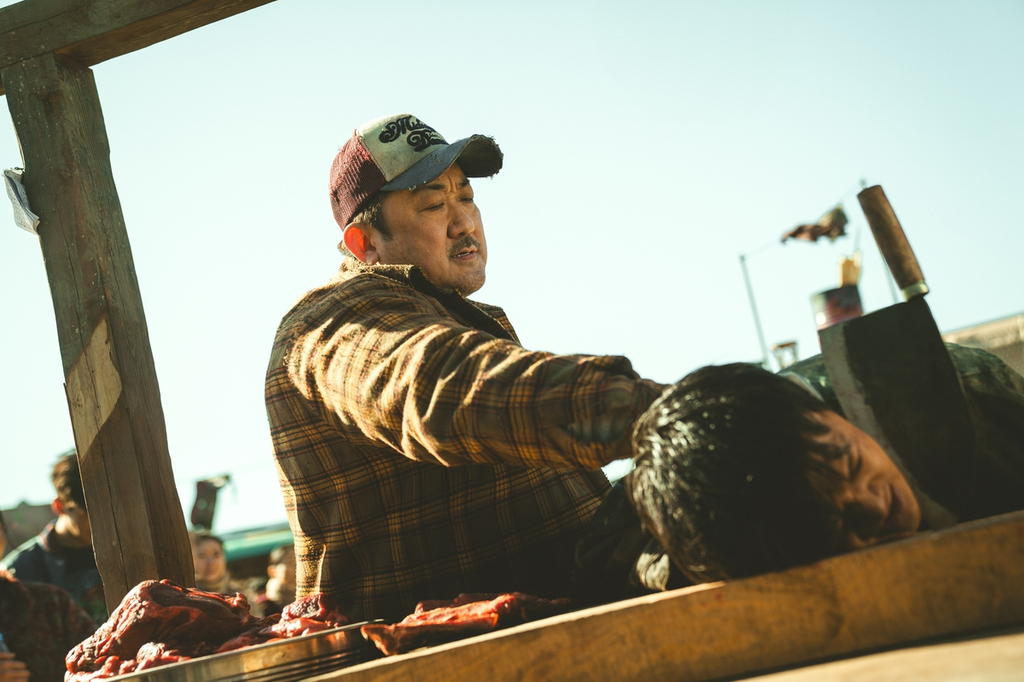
[830, 225]
[206, 501]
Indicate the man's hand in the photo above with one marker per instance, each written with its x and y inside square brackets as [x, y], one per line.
[12, 670]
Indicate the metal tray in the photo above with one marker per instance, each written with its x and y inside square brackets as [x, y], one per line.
[295, 658]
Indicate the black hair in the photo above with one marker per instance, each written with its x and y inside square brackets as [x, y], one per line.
[372, 214]
[197, 538]
[730, 478]
[67, 480]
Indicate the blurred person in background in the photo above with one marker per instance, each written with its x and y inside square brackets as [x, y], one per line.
[211, 564]
[62, 554]
[280, 588]
[40, 624]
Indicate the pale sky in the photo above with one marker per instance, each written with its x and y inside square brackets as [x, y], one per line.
[646, 146]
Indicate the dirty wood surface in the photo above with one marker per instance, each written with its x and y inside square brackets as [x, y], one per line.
[138, 527]
[989, 658]
[935, 584]
[92, 31]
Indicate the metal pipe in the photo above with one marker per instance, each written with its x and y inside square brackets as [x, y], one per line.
[753, 306]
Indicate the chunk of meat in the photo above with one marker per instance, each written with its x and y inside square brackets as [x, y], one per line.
[251, 634]
[317, 606]
[431, 604]
[535, 608]
[295, 627]
[154, 654]
[111, 666]
[402, 637]
[159, 611]
[437, 622]
[160, 622]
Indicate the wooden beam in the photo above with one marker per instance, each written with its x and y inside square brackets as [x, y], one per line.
[935, 584]
[991, 657]
[137, 522]
[92, 31]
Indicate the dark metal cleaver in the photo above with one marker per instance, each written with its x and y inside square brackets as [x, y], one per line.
[893, 375]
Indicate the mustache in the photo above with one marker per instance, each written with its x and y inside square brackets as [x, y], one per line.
[463, 243]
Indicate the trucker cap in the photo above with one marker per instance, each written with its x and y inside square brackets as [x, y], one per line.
[401, 152]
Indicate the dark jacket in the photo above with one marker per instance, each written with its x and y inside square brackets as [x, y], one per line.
[42, 560]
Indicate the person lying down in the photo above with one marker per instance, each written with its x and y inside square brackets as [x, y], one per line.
[739, 471]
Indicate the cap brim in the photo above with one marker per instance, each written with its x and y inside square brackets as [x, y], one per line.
[478, 156]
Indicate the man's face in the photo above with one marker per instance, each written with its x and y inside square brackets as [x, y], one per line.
[208, 558]
[876, 501]
[76, 524]
[437, 227]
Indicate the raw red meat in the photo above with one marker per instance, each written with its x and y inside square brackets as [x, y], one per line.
[535, 608]
[112, 667]
[530, 607]
[315, 607]
[431, 604]
[250, 635]
[313, 613]
[153, 654]
[160, 611]
[402, 637]
[160, 622]
[295, 627]
[436, 622]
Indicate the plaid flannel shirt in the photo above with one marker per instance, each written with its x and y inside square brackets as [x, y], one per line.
[40, 624]
[422, 452]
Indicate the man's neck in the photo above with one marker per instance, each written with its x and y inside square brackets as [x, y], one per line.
[67, 534]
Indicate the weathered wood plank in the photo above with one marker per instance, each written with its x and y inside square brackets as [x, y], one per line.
[92, 31]
[992, 658]
[935, 584]
[137, 523]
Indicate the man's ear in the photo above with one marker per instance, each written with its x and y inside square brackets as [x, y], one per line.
[357, 239]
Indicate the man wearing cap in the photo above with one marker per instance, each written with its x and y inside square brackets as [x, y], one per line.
[421, 450]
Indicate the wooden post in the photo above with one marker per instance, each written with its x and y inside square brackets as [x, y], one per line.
[92, 31]
[137, 522]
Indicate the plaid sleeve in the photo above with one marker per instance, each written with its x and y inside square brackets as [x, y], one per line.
[440, 391]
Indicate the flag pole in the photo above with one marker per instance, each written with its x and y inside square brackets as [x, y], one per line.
[753, 307]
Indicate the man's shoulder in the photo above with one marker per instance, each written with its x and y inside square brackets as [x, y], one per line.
[44, 593]
[968, 362]
[811, 374]
[356, 297]
[987, 378]
[492, 310]
[972, 361]
[355, 286]
[28, 561]
[498, 314]
[977, 369]
[359, 289]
